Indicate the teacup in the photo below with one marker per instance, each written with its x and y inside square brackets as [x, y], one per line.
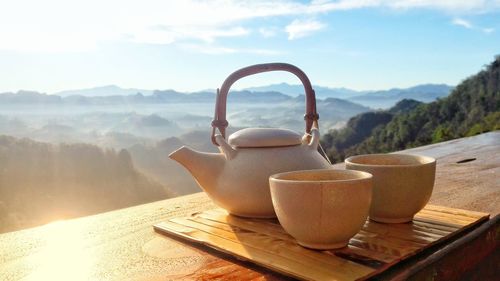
[402, 184]
[322, 209]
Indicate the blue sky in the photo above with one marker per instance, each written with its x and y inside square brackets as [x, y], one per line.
[189, 45]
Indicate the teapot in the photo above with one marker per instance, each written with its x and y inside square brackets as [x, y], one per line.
[237, 178]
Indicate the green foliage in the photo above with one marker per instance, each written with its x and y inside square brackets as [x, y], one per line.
[490, 123]
[358, 129]
[404, 106]
[441, 134]
[472, 108]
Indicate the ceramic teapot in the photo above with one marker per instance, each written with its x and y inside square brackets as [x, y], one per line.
[237, 178]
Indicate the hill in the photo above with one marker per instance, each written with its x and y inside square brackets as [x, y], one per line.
[374, 99]
[152, 160]
[472, 108]
[107, 96]
[387, 98]
[289, 114]
[296, 90]
[358, 128]
[112, 94]
[109, 90]
[41, 182]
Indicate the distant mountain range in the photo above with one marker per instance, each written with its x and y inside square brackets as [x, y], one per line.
[387, 98]
[157, 97]
[374, 99]
[272, 93]
[321, 92]
[284, 88]
[108, 90]
[472, 108]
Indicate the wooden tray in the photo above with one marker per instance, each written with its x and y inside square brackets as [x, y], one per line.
[374, 249]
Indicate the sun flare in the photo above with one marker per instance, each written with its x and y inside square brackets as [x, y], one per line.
[64, 255]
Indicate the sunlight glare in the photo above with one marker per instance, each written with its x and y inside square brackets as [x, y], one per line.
[64, 256]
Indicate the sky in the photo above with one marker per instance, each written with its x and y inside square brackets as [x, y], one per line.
[189, 45]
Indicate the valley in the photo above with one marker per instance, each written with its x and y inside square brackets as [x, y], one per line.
[89, 151]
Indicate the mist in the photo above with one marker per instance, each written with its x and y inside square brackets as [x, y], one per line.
[70, 156]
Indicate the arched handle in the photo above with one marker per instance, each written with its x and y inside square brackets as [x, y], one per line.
[311, 116]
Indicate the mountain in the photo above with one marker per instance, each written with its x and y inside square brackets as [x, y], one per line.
[374, 99]
[156, 97]
[146, 126]
[119, 121]
[109, 90]
[112, 95]
[404, 106]
[360, 127]
[29, 97]
[115, 94]
[387, 98]
[153, 160]
[248, 96]
[472, 108]
[295, 90]
[41, 182]
[289, 113]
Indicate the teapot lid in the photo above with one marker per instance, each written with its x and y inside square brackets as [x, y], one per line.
[264, 137]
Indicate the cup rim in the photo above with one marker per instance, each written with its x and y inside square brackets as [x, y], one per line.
[365, 176]
[427, 160]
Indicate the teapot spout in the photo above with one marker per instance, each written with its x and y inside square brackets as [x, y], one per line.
[204, 167]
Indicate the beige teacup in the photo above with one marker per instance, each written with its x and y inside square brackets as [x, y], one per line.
[402, 184]
[322, 209]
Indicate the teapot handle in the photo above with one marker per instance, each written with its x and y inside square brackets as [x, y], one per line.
[311, 116]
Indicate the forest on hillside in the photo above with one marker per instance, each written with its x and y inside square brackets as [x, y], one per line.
[41, 182]
[472, 108]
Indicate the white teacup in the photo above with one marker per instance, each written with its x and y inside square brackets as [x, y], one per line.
[322, 209]
[402, 184]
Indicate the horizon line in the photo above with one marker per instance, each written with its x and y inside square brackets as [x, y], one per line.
[214, 89]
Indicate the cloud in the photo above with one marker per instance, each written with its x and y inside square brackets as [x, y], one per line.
[488, 30]
[57, 25]
[455, 6]
[211, 49]
[469, 6]
[302, 28]
[61, 25]
[462, 22]
[267, 32]
[469, 25]
[162, 34]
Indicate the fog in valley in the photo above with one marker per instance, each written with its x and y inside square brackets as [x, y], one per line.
[75, 154]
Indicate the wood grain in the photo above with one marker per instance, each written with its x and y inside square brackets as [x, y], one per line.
[374, 249]
[475, 256]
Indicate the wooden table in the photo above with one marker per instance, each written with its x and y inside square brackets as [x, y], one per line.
[122, 245]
